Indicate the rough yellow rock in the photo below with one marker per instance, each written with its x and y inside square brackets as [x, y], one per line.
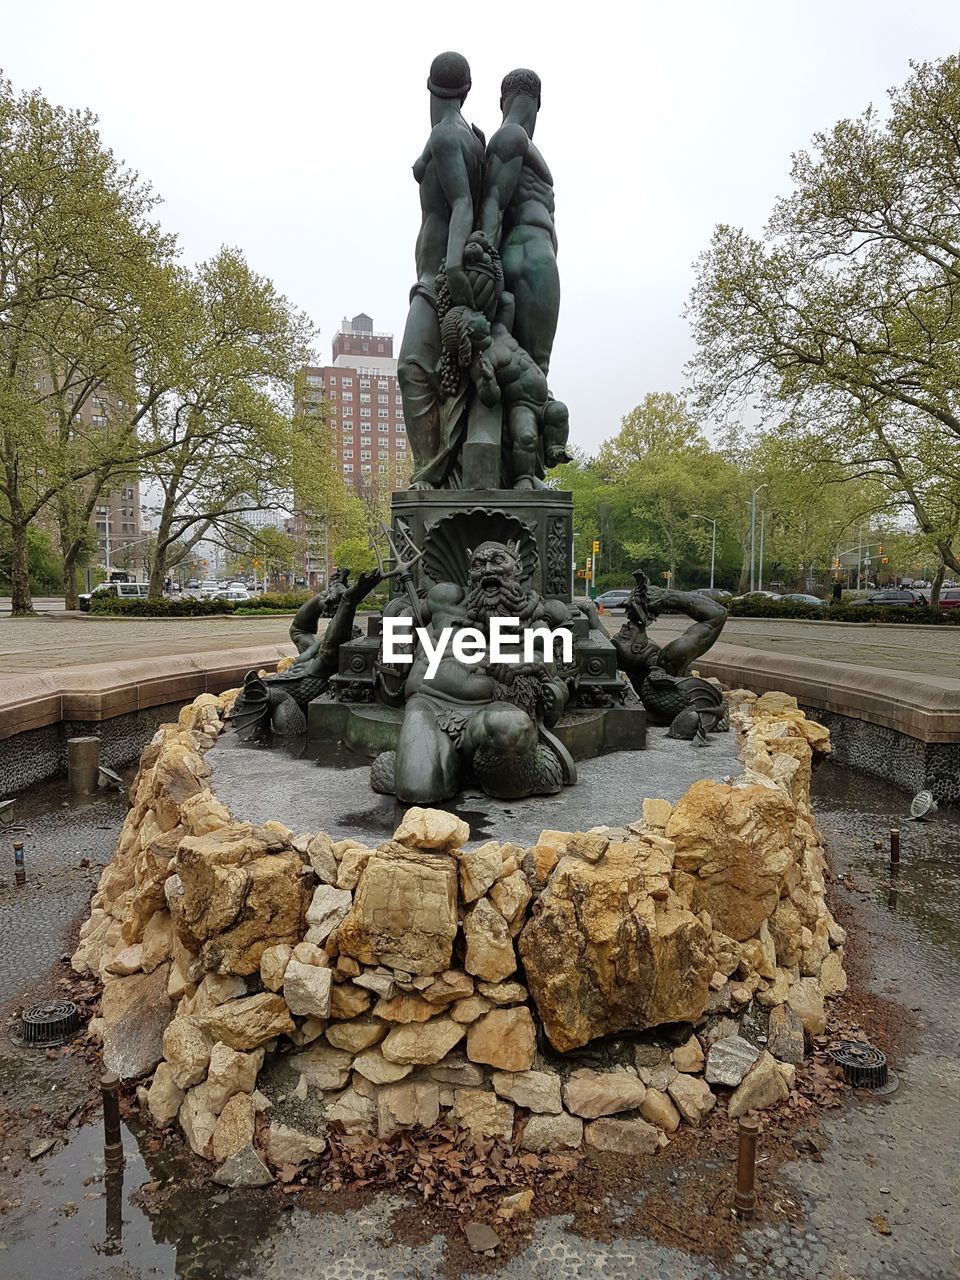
[404, 911]
[422, 1042]
[249, 1022]
[603, 954]
[737, 843]
[431, 829]
[237, 898]
[490, 952]
[504, 1038]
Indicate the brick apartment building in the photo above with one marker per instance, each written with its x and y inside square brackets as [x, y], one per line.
[359, 394]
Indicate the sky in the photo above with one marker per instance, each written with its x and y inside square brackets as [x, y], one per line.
[289, 130]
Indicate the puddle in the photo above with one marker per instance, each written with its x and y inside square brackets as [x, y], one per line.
[855, 811]
[75, 1218]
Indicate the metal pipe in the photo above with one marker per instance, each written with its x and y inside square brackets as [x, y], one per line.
[83, 765]
[745, 1196]
[112, 1137]
[20, 870]
[894, 851]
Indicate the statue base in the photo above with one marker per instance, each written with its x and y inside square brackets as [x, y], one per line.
[446, 523]
[369, 728]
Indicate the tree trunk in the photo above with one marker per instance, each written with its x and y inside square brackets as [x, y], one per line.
[21, 603]
[158, 566]
[947, 555]
[71, 578]
[937, 583]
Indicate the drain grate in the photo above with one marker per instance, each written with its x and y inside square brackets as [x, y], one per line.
[863, 1066]
[46, 1024]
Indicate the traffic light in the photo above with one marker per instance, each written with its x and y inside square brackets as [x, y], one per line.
[884, 559]
[596, 546]
[881, 549]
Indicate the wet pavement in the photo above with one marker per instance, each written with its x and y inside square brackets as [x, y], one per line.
[883, 1203]
[67, 840]
[333, 794]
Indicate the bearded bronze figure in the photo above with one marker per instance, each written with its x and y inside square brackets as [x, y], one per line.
[486, 723]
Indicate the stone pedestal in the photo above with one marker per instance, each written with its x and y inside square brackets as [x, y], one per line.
[448, 522]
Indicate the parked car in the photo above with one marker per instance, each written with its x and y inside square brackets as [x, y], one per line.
[236, 586]
[760, 595]
[894, 598]
[209, 587]
[193, 584]
[802, 597]
[122, 590]
[615, 599]
[720, 594]
[949, 599]
[236, 595]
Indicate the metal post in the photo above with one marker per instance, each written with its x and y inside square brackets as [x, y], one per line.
[112, 1137]
[83, 765]
[745, 1196]
[20, 871]
[753, 532]
[763, 515]
[894, 851]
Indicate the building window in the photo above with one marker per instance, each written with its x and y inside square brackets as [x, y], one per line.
[364, 413]
[383, 413]
[313, 380]
[364, 382]
[347, 396]
[346, 382]
[364, 454]
[365, 346]
[347, 468]
[364, 397]
[348, 453]
[348, 412]
[366, 468]
[384, 399]
[380, 346]
[382, 384]
[400, 428]
[333, 379]
[348, 439]
[383, 426]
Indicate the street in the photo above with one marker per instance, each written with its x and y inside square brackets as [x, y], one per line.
[65, 640]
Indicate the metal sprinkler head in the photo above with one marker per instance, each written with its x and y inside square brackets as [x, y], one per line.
[107, 779]
[6, 811]
[922, 806]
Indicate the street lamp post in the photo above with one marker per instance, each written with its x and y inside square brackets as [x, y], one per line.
[760, 565]
[713, 542]
[753, 532]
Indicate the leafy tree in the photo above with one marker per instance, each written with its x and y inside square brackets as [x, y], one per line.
[663, 465]
[844, 318]
[355, 554]
[224, 439]
[75, 238]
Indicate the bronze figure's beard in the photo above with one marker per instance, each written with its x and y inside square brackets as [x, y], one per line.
[503, 600]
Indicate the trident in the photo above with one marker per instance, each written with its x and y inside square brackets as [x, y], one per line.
[403, 559]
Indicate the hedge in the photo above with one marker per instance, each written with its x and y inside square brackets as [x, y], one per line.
[113, 606]
[287, 602]
[920, 615]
